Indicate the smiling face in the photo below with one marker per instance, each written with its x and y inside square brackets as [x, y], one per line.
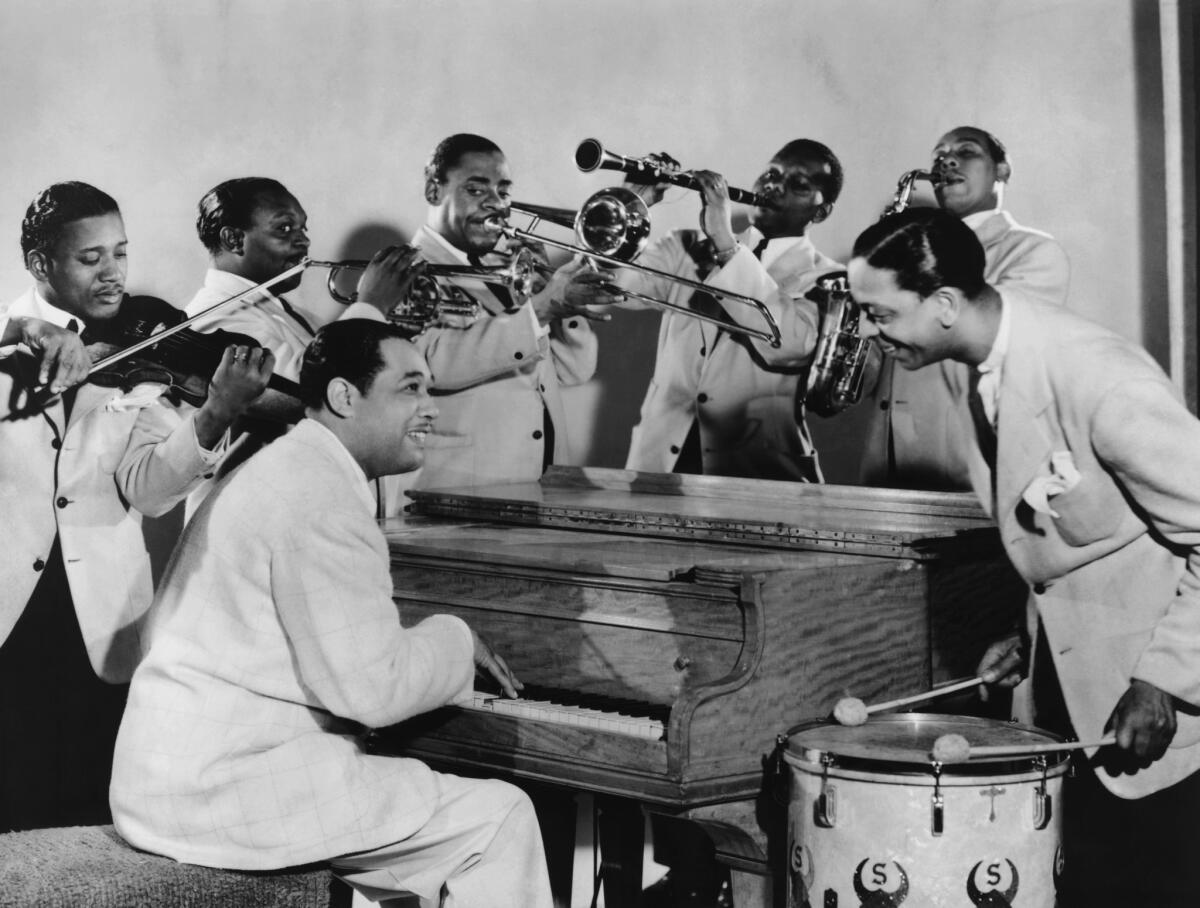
[84, 272]
[468, 207]
[275, 240]
[968, 178]
[796, 186]
[395, 414]
[908, 327]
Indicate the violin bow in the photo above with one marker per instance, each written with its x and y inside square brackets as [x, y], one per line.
[167, 332]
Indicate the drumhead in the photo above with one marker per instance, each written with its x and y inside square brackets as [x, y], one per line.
[898, 740]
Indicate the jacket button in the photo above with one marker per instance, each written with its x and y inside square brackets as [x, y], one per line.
[703, 398]
[674, 449]
[39, 565]
[518, 355]
[62, 501]
[1039, 588]
[703, 350]
[537, 433]
[572, 324]
[55, 443]
[883, 405]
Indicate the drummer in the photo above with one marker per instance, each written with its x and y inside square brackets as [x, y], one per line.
[1091, 467]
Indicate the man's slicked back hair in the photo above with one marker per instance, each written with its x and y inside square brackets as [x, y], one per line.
[232, 204]
[451, 150]
[926, 248]
[54, 208]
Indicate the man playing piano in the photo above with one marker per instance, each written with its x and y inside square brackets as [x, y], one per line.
[79, 467]
[721, 403]
[499, 374]
[275, 640]
[1090, 465]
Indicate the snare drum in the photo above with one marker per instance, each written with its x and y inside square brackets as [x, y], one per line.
[874, 821]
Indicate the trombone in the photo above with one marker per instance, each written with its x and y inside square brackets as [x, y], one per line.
[428, 300]
[613, 227]
[592, 155]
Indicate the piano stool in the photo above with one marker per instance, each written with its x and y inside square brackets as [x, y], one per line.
[91, 865]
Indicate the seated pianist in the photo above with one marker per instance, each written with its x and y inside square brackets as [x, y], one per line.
[274, 641]
[80, 465]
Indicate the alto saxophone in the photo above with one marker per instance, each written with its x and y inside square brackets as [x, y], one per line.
[837, 376]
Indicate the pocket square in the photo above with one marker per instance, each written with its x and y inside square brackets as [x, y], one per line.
[137, 398]
[1063, 477]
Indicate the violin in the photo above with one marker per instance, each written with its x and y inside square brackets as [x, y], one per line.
[184, 360]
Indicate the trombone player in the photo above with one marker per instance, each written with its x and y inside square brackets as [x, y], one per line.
[498, 373]
[722, 403]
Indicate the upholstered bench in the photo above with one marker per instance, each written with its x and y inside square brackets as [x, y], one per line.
[93, 866]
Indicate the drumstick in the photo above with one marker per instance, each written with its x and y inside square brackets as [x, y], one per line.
[852, 711]
[956, 748]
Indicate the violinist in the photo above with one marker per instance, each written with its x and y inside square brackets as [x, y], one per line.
[254, 229]
[79, 466]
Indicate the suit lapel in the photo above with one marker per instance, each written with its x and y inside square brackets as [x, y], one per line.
[1025, 433]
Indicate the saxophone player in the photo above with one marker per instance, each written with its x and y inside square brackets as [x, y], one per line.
[720, 403]
[915, 439]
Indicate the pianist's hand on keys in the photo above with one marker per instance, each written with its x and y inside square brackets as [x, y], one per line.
[492, 665]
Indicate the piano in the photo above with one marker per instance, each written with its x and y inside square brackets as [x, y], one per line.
[669, 628]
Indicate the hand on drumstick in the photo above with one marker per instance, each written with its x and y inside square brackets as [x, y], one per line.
[852, 711]
[1004, 664]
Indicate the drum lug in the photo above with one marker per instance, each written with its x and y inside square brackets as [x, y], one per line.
[825, 810]
[1043, 807]
[938, 803]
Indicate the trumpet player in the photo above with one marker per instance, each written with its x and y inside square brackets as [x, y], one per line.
[254, 229]
[722, 403]
[915, 438]
[498, 373]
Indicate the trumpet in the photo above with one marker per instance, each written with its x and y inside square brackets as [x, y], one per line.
[613, 226]
[904, 190]
[429, 300]
[591, 155]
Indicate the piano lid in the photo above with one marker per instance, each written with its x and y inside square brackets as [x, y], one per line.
[897, 523]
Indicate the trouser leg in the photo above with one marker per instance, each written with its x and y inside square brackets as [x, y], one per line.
[480, 849]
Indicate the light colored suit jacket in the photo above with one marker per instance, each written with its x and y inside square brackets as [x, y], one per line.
[273, 639]
[494, 375]
[86, 482]
[1116, 575]
[743, 392]
[920, 409]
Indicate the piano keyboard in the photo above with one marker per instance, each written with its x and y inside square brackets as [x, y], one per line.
[607, 714]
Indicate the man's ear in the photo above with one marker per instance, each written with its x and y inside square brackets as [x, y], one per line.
[949, 301]
[1003, 171]
[823, 211]
[340, 397]
[38, 264]
[233, 239]
[435, 192]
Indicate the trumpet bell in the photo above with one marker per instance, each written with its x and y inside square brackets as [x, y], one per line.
[614, 222]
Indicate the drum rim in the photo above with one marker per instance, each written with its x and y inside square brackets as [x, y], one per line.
[798, 754]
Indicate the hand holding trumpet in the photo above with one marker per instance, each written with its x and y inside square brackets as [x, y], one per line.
[388, 278]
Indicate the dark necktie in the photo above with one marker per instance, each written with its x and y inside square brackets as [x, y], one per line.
[500, 291]
[984, 431]
[287, 307]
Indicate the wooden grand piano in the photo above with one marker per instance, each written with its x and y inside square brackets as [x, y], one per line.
[669, 627]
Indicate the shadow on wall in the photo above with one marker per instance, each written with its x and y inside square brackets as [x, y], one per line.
[628, 345]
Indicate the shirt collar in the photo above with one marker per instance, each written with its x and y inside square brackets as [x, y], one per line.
[330, 442]
[57, 317]
[229, 284]
[995, 358]
[446, 246]
[775, 248]
[977, 219]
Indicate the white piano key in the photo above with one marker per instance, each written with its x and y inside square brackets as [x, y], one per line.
[577, 716]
